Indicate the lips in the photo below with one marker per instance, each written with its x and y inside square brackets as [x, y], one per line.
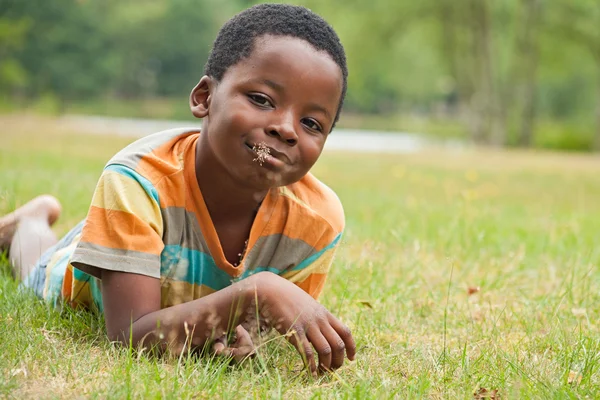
[281, 156]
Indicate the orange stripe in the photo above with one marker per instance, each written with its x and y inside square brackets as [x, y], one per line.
[172, 190]
[120, 230]
[313, 285]
[164, 168]
[67, 285]
[296, 222]
[321, 199]
[74, 292]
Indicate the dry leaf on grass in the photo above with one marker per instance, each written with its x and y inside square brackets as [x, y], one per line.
[483, 393]
[18, 371]
[471, 290]
[365, 303]
[48, 335]
[574, 378]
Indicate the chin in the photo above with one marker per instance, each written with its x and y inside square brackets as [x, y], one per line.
[269, 180]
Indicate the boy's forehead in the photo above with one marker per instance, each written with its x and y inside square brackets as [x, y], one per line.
[267, 48]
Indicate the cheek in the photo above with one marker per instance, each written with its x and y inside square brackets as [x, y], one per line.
[238, 117]
[237, 121]
[311, 151]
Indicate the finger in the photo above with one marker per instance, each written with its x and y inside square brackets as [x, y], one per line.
[337, 346]
[243, 346]
[219, 345]
[218, 348]
[301, 343]
[322, 347]
[344, 332]
[243, 338]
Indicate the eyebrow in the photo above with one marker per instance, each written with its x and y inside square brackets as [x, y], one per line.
[272, 84]
[316, 107]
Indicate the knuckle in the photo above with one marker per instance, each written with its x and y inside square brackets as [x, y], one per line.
[345, 332]
[340, 345]
[321, 312]
[308, 352]
[299, 330]
[325, 351]
[320, 317]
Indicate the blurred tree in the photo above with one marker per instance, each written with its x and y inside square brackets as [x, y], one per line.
[469, 52]
[580, 22]
[184, 40]
[162, 50]
[57, 58]
[526, 64]
[495, 66]
[12, 39]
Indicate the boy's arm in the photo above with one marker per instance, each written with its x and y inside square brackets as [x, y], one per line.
[132, 312]
[122, 243]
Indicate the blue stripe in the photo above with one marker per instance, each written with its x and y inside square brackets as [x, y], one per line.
[315, 256]
[92, 283]
[57, 274]
[192, 266]
[128, 172]
[96, 294]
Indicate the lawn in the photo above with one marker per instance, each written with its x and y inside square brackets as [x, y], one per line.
[460, 273]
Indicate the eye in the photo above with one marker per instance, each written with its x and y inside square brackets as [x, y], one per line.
[260, 100]
[312, 124]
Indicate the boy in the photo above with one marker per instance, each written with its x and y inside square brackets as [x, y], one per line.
[192, 233]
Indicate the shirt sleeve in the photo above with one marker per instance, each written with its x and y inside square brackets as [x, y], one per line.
[310, 275]
[124, 227]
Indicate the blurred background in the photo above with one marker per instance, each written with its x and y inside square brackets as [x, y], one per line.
[520, 73]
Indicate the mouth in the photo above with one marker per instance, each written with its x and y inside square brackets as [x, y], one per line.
[267, 156]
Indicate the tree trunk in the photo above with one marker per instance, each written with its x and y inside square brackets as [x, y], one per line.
[450, 17]
[479, 99]
[596, 144]
[487, 102]
[528, 57]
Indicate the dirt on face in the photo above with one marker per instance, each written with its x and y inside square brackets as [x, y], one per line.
[262, 151]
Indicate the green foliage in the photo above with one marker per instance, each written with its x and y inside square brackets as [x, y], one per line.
[85, 49]
[570, 137]
[496, 66]
[12, 34]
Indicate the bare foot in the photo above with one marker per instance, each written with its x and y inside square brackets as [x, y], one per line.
[43, 207]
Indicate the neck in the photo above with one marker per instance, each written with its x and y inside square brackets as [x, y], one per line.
[224, 197]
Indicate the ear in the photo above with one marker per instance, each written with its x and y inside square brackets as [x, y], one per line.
[201, 96]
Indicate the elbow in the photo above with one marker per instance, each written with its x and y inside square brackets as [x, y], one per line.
[119, 337]
[124, 336]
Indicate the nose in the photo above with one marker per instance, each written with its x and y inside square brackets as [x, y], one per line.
[283, 129]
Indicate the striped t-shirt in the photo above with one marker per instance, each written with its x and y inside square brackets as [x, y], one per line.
[148, 217]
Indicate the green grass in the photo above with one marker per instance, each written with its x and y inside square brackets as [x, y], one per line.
[421, 230]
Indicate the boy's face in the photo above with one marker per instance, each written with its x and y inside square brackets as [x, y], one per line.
[284, 98]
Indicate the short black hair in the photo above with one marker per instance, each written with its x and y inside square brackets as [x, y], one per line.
[236, 38]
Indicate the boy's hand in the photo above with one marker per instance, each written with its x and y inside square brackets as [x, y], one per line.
[240, 349]
[305, 322]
